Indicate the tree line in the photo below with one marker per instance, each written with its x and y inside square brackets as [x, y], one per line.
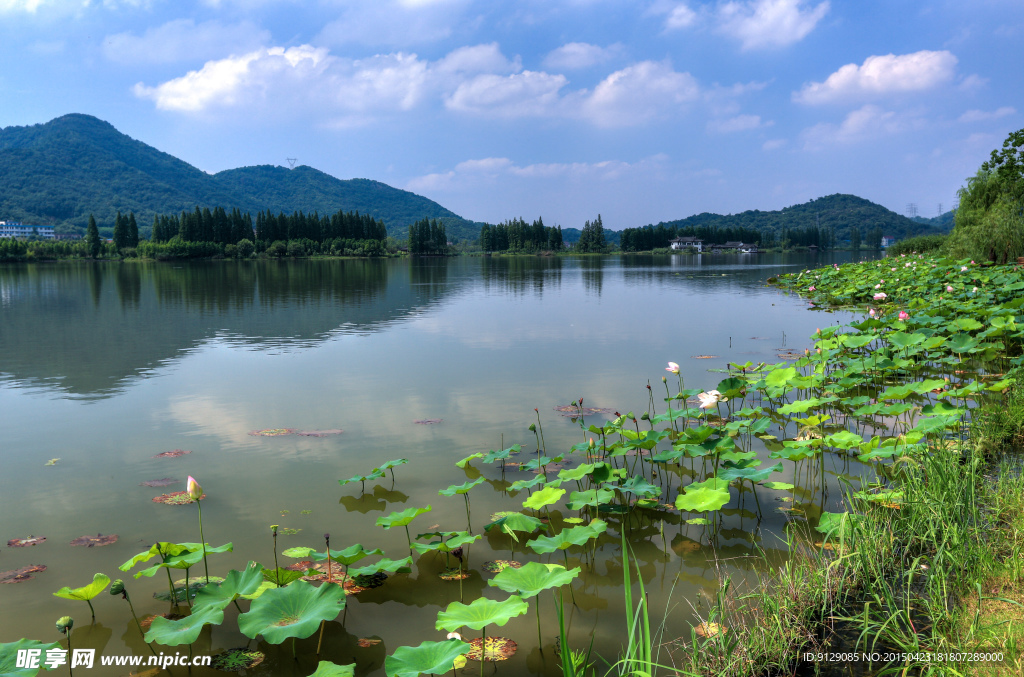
[222, 227]
[516, 235]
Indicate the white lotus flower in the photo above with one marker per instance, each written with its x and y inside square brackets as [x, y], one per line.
[709, 399]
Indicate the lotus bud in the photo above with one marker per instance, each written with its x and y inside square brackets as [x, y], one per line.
[645, 417]
[273, 527]
[807, 351]
[664, 380]
[590, 443]
[117, 588]
[195, 491]
[532, 428]
[65, 623]
[454, 635]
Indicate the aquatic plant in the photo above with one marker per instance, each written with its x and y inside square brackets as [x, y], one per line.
[86, 592]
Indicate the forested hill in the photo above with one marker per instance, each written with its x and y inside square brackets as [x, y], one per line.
[841, 212]
[61, 171]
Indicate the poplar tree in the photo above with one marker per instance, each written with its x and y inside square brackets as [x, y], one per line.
[92, 238]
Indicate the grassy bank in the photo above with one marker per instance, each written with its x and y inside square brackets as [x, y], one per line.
[927, 558]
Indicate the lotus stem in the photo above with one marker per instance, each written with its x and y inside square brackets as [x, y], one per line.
[170, 586]
[71, 651]
[137, 624]
[469, 523]
[541, 429]
[277, 569]
[188, 598]
[93, 619]
[540, 641]
[202, 539]
[483, 648]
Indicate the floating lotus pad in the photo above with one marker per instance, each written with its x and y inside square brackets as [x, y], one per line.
[704, 357]
[25, 542]
[492, 649]
[454, 574]
[367, 642]
[292, 611]
[195, 584]
[428, 421]
[426, 659]
[22, 574]
[234, 660]
[572, 410]
[97, 541]
[274, 432]
[162, 482]
[173, 454]
[499, 565]
[176, 498]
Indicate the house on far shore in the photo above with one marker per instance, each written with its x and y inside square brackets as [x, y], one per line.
[687, 243]
[887, 241]
[13, 229]
[735, 245]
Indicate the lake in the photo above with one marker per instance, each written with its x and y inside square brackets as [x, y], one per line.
[104, 366]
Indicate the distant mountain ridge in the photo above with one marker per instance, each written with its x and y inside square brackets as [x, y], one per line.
[61, 171]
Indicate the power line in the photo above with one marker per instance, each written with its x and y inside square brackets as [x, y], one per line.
[291, 162]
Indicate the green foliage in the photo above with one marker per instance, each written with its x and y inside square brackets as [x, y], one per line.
[480, 613]
[90, 167]
[429, 658]
[592, 238]
[86, 592]
[92, 238]
[917, 245]
[9, 657]
[292, 611]
[184, 630]
[990, 216]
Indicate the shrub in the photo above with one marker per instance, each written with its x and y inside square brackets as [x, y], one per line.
[919, 244]
[277, 249]
[245, 248]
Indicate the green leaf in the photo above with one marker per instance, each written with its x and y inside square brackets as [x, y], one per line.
[543, 497]
[533, 577]
[184, 630]
[86, 592]
[328, 669]
[187, 560]
[394, 566]
[568, 537]
[595, 497]
[638, 486]
[401, 519]
[292, 611]
[462, 488]
[779, 486]
[463, 462]
[387, 465]
[751, 473]
[376, 474]
[780, 376]
[280, 576]
[429, 658]
[163, 549]
[516, 521]
[349, 555]
[480, 613]
[493, 456]
[235, 584]
[9, 657]
[837, 524]
[702, 499]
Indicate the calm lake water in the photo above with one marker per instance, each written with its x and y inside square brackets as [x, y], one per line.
[105, 365]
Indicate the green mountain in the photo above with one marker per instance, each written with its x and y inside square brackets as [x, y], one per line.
[841, 212]
[61, 171]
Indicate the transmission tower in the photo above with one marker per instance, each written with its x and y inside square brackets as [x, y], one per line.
[940, 209]
[911, 210]
[291, 162]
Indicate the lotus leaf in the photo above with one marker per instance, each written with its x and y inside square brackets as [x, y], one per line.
[568, 537]
[544, 497]
[387, 465]
[465, 461]
[749, 473]
[403, 518]
[376, 474]
[236, 660]
[703, 496]
[163, 549]
[9, 656]
[86, 592]
[482, 612]
[349, 555]
[292, 611]
[519, 485]
[595, 497]
[328, 669]
[426, 659]
[25, 542]
[235, 584]
[779, 486]
[516, 521]
[638, 486]
[280, 577]
[492, 649]
[395, 566]
[185, 630]
[462, 488]
[533, 577]
[836, 524]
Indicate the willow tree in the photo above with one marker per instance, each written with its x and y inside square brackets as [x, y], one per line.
[989, 221]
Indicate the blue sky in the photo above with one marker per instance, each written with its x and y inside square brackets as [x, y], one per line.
[640, 111]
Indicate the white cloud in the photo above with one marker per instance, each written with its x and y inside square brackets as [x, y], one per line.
[576, 55]
[982, 116]
[477, 80]
[880, 75]
[636, 94]
[773, 144]
[478, 59]
[865, 123]
[471, 173]
[184, 40]
[677, 14]
[236, 80]
[769, 23]
[973, 83]
[399, 23]
[527, 93]
[739, 123]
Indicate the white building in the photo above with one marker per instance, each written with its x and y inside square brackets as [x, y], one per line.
[12, 229]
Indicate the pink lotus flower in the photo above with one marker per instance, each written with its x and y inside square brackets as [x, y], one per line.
[904, 315]
[880, 296]
[709, 399]
[871, 312]
[811, 288]
[672, 367]
[194, 490]
[949, 288]
[963, 269]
